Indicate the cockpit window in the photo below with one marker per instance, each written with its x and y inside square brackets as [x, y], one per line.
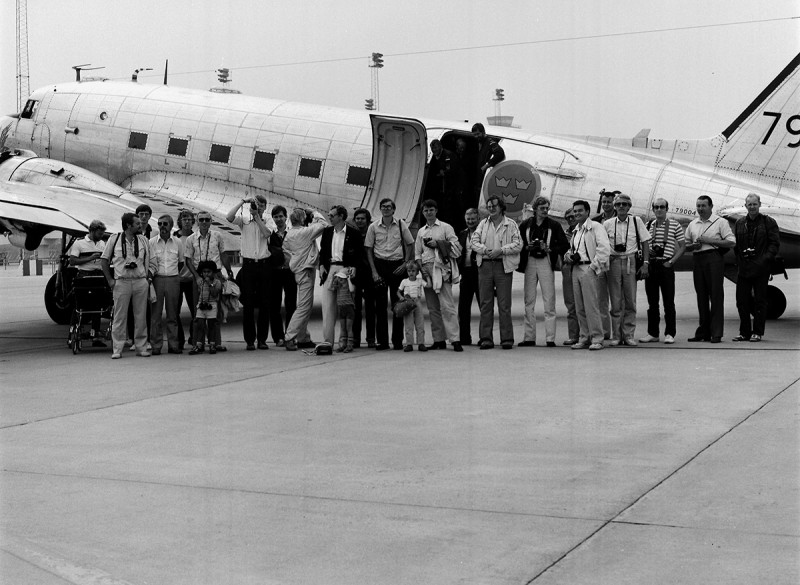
[30, 109]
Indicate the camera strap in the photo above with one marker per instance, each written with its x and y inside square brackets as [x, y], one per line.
[627, 229]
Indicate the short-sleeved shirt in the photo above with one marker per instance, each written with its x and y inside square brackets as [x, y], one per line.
[413, 289]
[388, 243]
[200, 248]
[165, 256]
[438, 231]
[713, 226]
[668, 235]
[87, 246]
[624, 232]
[120, 251]
[255, 246]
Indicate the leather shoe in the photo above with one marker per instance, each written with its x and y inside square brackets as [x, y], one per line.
[741, 338]
[291, 345]
[457, 346]
[438, 345]
[551, 344]
[486, 344]
[526, 344]
[507, 345]
[381, 347]
[697, 338]
[222, 348]
[755, 337]
[422, 347]
[251, 347]
[263, 346]
[398, 346]
[716, 340]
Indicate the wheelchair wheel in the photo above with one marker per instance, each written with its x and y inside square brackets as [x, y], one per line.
[74, 335]
[76, 347]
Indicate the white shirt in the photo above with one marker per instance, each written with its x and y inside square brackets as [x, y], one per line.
[165, 256]
[87, 246]
[337, 245]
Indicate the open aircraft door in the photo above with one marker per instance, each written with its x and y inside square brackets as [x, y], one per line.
[399, 154]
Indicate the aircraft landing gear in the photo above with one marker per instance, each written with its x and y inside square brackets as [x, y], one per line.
[58, 304]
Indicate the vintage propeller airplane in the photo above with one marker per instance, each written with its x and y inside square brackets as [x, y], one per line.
[108, 143]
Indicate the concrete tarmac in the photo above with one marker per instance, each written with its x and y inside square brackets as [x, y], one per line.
[657, 464]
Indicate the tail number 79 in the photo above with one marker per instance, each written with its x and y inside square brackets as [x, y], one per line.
[790, 123]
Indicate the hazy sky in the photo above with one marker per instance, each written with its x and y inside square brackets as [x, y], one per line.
[579, 67]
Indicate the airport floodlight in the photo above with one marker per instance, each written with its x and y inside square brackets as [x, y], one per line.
[369, 104]
[377, 60]
[499, 95]
[223, 75]
[135, 76]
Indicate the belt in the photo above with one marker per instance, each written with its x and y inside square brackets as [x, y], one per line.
[493, 259]
[254, 261]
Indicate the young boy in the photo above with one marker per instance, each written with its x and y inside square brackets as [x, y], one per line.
[346, 309]
[209, 287]
[411, 289]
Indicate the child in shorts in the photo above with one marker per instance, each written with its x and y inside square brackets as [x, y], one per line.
[346, 308]
[209, 287]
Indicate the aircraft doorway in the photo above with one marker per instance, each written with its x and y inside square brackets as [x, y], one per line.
[452, 180]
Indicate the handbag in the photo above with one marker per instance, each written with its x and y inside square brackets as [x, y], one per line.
[403, 307]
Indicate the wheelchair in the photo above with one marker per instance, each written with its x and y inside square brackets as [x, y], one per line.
[93, 297]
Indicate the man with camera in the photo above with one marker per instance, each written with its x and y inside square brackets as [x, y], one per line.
[497, 244]
[128, 253]
[666, 246]
[543, 243]
[588, 255]
[627, 235]
[301, 245]
[757, 243]
[255, 272]
[166, 261]
[709, 237]
[389, 245]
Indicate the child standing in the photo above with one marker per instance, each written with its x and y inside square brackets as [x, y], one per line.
[411, 289]
[346, 308]
[209, 287]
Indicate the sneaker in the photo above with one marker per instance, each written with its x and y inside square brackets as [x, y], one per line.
[408, 348]
[144, 354]
[116, 356]
[647, 339]
[280, 343]
[755, 337]
[148, 347]
[596, 347]
[570, 342]
[422, 347]
[630, 342]
[580, 345]
[669, 339]
[348, 348]
[741, 338]
[291, 345]
[613, 342]
[195, 351]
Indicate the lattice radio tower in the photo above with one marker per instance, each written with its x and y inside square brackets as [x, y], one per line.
[376, 63]
[23, 75]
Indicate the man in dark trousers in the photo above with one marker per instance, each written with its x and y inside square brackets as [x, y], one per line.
[341, 249]
[468, 287]
[757, 242]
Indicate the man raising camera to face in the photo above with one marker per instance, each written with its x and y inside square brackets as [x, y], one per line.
[255, 273]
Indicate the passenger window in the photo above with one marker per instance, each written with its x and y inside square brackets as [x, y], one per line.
[310, 168]
[220, 153]
[264, 161]
[358, 176]
[30, 109]
[178, 146]
[137, 141]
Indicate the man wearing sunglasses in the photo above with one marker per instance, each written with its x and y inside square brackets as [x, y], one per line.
[207, 244]
[166, 261]
[666, 246]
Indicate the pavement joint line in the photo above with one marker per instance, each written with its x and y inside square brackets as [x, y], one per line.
[178, 392]
[305, 496]
[613, 519]
[57, 566]
[703, 528]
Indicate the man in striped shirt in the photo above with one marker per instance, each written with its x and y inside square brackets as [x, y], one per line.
[666, 246]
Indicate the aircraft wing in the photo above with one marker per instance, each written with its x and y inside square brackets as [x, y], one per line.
[29, 212]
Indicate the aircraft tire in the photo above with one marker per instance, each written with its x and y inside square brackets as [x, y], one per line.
[776, 302]
[58, 312]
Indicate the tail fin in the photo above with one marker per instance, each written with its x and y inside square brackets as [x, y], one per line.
[764, 141]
